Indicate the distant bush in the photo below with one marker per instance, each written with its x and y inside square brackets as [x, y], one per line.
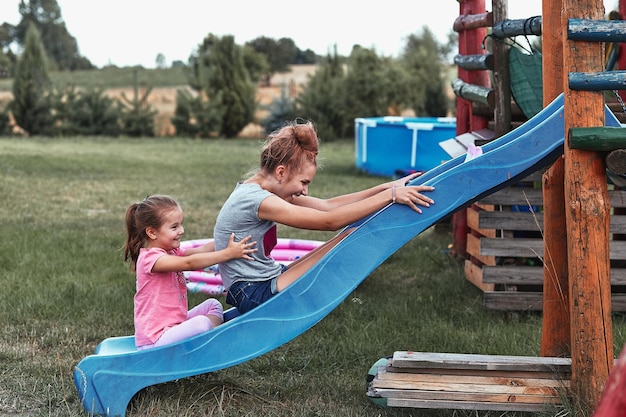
[196, 117]
[87, 112]
[280, 110]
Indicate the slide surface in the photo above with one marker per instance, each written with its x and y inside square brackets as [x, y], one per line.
[107, 380]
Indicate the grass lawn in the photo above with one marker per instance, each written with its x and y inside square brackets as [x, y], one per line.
[67, 288]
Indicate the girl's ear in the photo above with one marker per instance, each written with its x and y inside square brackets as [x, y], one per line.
[151, 233]
[280, 172]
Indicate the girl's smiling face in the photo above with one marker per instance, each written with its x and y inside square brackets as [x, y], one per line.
[297, 184]
[168, 235]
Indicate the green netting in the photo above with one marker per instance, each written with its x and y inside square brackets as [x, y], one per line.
[526, 80]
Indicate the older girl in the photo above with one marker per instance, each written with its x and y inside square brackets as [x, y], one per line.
[278, 193]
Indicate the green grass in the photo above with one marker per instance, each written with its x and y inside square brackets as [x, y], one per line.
[66, 287]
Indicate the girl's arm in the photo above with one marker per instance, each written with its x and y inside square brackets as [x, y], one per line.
[341, 200]
[173, 263]
[207, 247]
[278, 210]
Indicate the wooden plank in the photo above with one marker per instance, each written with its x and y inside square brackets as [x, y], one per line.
[532, 275]
[617, 198]
[459, 382]
[486, 222]
[515, 196]
[474, 214]
[512, 247]
[473, 273]
[513, 274]
[510, 220]
[532, 248]
[533, 301]
[418, 394]
[618, 224]
[472, 381]
[460, 405]
[513, 301]
[518, 196]
[410, 359]
[472, 247]
[476, 388]
[472, 372]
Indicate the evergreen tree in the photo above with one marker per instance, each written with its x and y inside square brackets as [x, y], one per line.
[195, 117]
[137, 115]
[89, 112]
[281, 110]
[220, 72]
[322, 101]
[365, 84]
[60, 46]
[422, 57]
[31, 87]
[7, 57]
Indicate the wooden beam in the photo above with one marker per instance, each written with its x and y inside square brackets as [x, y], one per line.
[596, 30]
[473, 92]
[515, 27]
[597, 81]
[616, 161]
[587, 221]
[555, 329]
[472, 21]
[477, 62]
[597, 138]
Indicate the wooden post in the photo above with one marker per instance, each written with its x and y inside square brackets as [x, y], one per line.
[501, 76]
[621, 59]
[587, 221]
[470, 42]
[555, 331]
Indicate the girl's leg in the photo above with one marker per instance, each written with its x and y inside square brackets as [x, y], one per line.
[299, 267]
[185, 330]
[200, 319]
[210, 308]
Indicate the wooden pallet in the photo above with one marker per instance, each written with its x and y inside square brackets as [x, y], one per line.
[472, 382]
[505, 247]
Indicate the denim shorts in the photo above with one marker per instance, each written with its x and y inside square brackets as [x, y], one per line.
[245, 295]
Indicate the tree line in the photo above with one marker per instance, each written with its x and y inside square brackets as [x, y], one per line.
[224, 78]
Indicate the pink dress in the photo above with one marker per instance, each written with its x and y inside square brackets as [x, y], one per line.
[161, 297]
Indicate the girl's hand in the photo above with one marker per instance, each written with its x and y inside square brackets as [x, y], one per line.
[412, 196]
[401, 182]
[242, 248]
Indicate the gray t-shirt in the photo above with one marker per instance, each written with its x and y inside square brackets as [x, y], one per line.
[240, 215]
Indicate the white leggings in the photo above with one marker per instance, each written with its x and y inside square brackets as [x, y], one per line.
[197, 322]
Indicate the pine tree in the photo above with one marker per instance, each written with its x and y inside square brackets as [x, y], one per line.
[221, 73]
[137, 113]
[323, 99]
[31, 87]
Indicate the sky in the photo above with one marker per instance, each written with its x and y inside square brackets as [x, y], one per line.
[134, 32]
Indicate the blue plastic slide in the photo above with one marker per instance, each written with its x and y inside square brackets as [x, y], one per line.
[107, 380]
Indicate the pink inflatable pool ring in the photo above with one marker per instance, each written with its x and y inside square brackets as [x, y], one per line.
[209, 280]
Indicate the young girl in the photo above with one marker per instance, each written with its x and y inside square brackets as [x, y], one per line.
[278, 193]
[154, 229]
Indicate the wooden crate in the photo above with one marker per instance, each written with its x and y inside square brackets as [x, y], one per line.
[472, 382]
[505, 247]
